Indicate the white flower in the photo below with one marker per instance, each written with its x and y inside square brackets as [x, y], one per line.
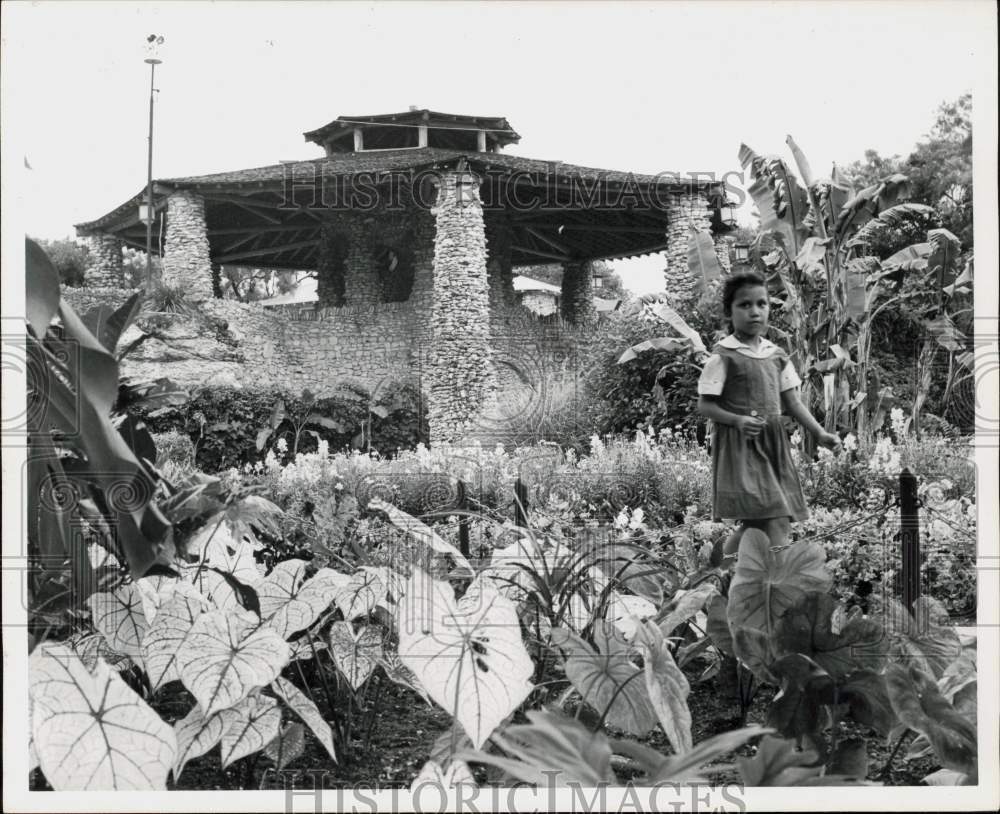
[637, 517]
[282, 445]
[850, 442]
[796, 439]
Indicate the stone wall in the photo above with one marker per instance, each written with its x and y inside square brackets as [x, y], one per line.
[105, 267]
[461, 379]
[684, 213]
[577, 302]
[186, 261]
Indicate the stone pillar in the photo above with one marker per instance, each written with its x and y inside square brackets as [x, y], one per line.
[686, 211]
[217, 281]
[460, 377]
[330, 268]
[104, 269]
[578, 294]
[501, 273]
[186, 262]
[361, 283]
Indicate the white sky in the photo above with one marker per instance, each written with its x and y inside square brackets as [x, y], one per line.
[647, 87]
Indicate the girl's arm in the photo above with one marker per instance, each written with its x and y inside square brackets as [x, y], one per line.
[709, 407]
[794, 407]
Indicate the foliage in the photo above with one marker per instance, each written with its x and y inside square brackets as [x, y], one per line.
[224, 422]
[69, 258]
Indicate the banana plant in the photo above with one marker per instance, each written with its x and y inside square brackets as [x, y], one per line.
[814, 248]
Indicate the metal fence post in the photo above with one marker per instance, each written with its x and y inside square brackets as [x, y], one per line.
[909, 537]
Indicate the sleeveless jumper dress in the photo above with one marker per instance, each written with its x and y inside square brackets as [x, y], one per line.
[754, 479]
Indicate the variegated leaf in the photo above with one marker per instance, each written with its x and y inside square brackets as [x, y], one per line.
[197, 734]
[224, 658]
[355, 653]
[256, 722]
[289, 603]
[467, 654]
[171, 627]
[399, 673]
[90, 730]
[288, 746]
[458, 773]
[302, 706]
[120, 617]
[667, 687]
[366, 589]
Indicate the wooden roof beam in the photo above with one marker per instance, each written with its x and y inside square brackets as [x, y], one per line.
[548, 255]
[231, 258]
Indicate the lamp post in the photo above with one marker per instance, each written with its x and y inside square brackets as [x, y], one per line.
[152, 47]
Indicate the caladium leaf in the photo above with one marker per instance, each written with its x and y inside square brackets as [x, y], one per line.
[718, 625]
[808, 628]
[806, 690]
[355, 653]
[224, 658]
[288, 746]
[684, 605]
[920, 705]
[170, 629]
[626, 612]
[868, 696]
[366, 588]
[290, 603]
[399, 673]
[779, 763]
[552, 749]
[767, 583]
[256, 722]
[946, 777]
[90, 730]
[607, 680]
[753, 648]
[120, 618]
[302, 706]
[197, 734]
[666, 685]
[93, 647]
[468, 654]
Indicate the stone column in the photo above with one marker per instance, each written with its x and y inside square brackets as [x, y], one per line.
[330, 268]
[578, 294]
[361, 283]
[105, 266]
[501, 273]
[186, 262]
[460, 377]
[686, 211]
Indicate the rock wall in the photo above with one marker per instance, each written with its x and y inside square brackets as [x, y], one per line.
[105, 268]
[577, 301]
[461, 379]
[684, 213]
[186, 261]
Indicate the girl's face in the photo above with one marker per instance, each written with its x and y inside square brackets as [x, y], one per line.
[749, 311]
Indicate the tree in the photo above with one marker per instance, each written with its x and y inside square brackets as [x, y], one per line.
[250, 284]
[69, 258]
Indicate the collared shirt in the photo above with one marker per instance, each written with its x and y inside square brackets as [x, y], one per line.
[713, 375]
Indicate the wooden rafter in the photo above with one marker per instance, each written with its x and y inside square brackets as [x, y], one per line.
[232, 258]
[537, 253]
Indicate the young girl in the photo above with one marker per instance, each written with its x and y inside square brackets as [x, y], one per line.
[747, 383]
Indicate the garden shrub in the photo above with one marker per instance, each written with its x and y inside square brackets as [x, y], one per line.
[223, 422]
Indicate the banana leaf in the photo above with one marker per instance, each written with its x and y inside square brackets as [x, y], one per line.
[703, 262]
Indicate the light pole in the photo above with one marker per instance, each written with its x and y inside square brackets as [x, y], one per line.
[152, 46]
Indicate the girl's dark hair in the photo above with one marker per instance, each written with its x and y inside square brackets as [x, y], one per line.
[734, 283]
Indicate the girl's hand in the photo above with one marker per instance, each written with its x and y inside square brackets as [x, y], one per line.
[750, 425]
[829, 440]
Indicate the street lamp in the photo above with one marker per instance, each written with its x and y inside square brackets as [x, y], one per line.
[153, 43]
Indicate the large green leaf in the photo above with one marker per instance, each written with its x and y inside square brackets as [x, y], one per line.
[468, 654]
[754, 649]
[90, 730]
[399, 673]
[686, 767]
[893, 217]
[703, 262]
[356, 653]
[779, 763]
[256, 722]
[781, 202]
[607, 679]
[679, 324]
[945, 251]
[550, 750]
[224, 658]
[921, 640]
[457, 774]
[288, 746]
[684, 605]
[919, 704]
[666, 685]
[816, 627]
[806, 690]
[302, 706]
[41, 288]
[767, 583]
[718, 624]
[107, 323]
[868, 697]
[366, 588]
[669, 344]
